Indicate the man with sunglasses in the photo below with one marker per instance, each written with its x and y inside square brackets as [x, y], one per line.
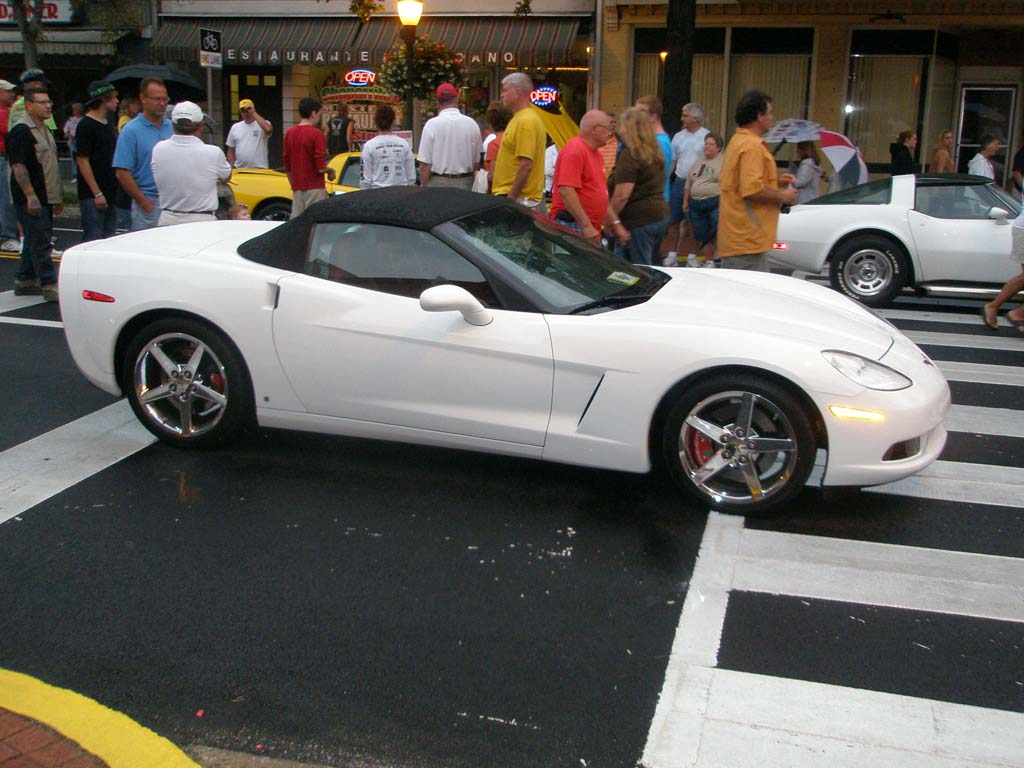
[135, 152]
[247, 139]
[38, 194]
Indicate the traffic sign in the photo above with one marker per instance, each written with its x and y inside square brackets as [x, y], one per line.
[209, 49]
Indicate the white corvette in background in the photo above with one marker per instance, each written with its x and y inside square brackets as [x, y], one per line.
[444, 317]
[942, 234]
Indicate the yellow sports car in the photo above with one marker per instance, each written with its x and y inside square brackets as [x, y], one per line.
[269, 195]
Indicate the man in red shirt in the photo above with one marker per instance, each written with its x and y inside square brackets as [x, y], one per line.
[580, 193]
[8, 223]
[305, 154]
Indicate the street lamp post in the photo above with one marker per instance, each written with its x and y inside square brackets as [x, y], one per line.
[409, 12]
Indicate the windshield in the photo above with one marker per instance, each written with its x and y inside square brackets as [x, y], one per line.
[566, 273]
[1006, 199]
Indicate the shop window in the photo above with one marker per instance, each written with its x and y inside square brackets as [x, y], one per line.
[270, 81]
[776, 61]
[252, 79]
[884, 99]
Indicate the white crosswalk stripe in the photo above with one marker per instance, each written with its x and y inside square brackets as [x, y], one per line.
[708, 716]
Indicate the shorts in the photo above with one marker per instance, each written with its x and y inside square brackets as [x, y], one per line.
[755, 262]
[703, 218]
[1017, 244]
[303, 198]
[675, 201]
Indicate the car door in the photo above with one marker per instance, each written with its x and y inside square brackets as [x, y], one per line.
[355, 344]
[954, 236]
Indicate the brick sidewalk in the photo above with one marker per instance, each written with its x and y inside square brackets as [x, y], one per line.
[26, 743]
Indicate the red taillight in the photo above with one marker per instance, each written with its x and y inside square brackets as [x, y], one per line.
[780, 246]
[97, 296]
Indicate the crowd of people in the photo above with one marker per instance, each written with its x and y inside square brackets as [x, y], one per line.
[622, 181]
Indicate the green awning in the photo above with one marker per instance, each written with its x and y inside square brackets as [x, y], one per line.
[262, 41]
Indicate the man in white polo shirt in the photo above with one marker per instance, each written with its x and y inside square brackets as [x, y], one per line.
[450, 146]
[186, 170]
[247, 139]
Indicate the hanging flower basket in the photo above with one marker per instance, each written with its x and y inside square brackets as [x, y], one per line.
[364, 9]
[433, 64]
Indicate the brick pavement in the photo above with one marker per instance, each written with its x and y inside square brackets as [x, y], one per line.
[27, 743]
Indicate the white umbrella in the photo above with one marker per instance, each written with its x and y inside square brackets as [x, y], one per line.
[792, 130]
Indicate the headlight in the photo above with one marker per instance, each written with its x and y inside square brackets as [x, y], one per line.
[866, 372]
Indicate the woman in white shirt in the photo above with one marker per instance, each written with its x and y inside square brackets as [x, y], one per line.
[981, 163]
[386, 159]
[808, 173]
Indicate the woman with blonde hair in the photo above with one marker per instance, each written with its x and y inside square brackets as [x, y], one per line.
[638, 192]
[942, 158]
[807, 173]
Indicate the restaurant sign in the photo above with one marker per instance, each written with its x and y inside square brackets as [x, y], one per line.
[276, 57]
[54, 11]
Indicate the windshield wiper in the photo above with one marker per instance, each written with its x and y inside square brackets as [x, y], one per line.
[609, 301]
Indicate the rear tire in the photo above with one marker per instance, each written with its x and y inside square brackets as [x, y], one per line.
[870, 269]
[741, 444]
[187, 383]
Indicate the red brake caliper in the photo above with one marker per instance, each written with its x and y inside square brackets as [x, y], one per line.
[700, 447]
[217, 382]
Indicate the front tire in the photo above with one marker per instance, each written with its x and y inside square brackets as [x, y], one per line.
[187, 383]
[870, 269]
[740, 443]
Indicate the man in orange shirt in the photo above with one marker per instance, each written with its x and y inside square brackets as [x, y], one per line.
[750, 197]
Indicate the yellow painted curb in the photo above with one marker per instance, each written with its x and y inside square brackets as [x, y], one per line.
[114, 738]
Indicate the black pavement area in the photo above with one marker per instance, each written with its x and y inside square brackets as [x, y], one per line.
[328, 598]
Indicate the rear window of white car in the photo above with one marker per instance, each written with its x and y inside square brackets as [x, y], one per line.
[873, 193]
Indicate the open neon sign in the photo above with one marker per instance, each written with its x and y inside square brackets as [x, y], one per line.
[544, 95]
[359, 78]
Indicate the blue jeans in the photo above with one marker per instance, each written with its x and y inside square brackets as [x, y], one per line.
[142, 220]
[644, 242]
[97, 224]
[8, 219]
[36, 247]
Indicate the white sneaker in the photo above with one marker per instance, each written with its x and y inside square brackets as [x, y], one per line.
[670, 261]
[56, 254]
[11, 246]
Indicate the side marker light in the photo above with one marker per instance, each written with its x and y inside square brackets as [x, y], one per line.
[97, 296]
[842, 412]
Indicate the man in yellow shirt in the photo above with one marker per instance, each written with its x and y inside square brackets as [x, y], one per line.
[519, 167]
[750, 197]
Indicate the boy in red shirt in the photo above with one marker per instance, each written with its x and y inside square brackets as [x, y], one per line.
[305, 154]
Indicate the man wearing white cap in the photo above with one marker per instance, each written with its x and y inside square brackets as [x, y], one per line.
[247, 139]
[186, 170]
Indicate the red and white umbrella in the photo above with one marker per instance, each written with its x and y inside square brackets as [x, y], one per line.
[846, 159]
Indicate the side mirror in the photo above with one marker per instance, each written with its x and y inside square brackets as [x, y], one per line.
[451, 298]
[999, 214]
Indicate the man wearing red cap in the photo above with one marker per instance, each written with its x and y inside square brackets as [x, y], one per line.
[450, 146]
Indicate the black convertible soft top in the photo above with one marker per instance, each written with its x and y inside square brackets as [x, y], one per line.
[411, 207]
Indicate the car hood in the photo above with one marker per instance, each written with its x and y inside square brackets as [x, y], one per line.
[769, 304]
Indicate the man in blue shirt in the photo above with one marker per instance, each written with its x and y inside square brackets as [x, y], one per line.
[135, 150]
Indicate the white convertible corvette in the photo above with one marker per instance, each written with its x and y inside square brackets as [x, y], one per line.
[941, 234]
[445, 317]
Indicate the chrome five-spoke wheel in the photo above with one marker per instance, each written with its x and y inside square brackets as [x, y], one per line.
[181, 384]
[742, 445]
[186, 383]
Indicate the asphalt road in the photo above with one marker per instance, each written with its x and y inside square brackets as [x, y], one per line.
[346, 602]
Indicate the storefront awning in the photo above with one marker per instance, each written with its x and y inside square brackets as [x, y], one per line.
[261, 42]
[60, 42]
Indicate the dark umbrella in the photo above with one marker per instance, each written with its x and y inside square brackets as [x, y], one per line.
[180, 85]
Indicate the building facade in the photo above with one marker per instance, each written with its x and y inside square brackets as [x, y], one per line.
[866, 69]
[275, 52]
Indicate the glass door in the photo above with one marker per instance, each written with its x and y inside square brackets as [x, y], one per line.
[986, 111]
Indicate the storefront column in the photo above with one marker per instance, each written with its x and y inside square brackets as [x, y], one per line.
[828, 95]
